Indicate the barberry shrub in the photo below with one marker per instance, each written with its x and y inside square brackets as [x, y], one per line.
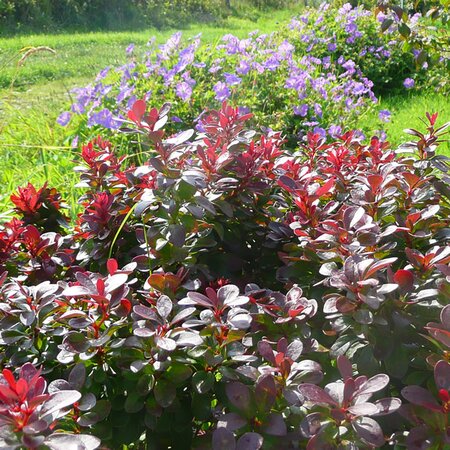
[232, 293]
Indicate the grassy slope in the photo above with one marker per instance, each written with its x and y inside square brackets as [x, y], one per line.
[32, 146]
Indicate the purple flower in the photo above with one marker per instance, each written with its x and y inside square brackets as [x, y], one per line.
[124, 93]
[285, 48]
[222, 91]
[102, 74]
[184, 91]
[271, 63]
[408, 83]
[176, 119]
[189, 80]
[64, 118]
[320, 131]
[131, 101]
[334, 131]
[129, 49]
[317, 110]
[382, 135]
[301, 110]
[186, 58]
[243, 68]
[231, 79]
[103, 118]
[244, 110]
[384, 115]
[74, 143]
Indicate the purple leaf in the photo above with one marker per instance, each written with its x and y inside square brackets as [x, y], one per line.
[352, 216]
[369, 431]
[165, 343]
[177, 235]
[63, 441]
[315, 394]
[240, 320]
[387, 405]
[265, 392]
[164, 306]
[349, 390]
[294, 350]
[265, 350]
[183, 314]
[188, 339]
[223, 439]
[345, 367]
[229, 295]
[442, 375]
[419, 438]
[250, 441]
[275, 425]
[374, 384]
[231, 421]
[115, 281]
[239, 395]
[38, 426]
[363, 409]
[310, 425]
[195, 298]
[77, 376]
[75, 291]
[419, 396]
[59, 400]
[146, 312]
[180, 138]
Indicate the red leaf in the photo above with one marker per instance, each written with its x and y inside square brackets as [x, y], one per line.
[375, 181]
[325, 188]
[126, 305]
[112, 266]
[137, 111]
[22, 389]
[432, 118]
[9, 377]
[405, 279]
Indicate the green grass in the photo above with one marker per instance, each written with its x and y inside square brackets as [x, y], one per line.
[408, 110]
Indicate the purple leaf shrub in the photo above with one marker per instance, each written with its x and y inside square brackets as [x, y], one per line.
[231, 292]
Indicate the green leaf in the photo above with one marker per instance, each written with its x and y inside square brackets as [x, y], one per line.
[165, 392]
[185, 191]
[203, 382]
[404, 30]
[133, 403]
[386, 24]
[397, 363]
[178, 373]
[201, 407]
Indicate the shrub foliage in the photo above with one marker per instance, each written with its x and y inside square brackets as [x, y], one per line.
[231, 293]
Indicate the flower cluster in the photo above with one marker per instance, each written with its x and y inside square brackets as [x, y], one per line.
[318, 73]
